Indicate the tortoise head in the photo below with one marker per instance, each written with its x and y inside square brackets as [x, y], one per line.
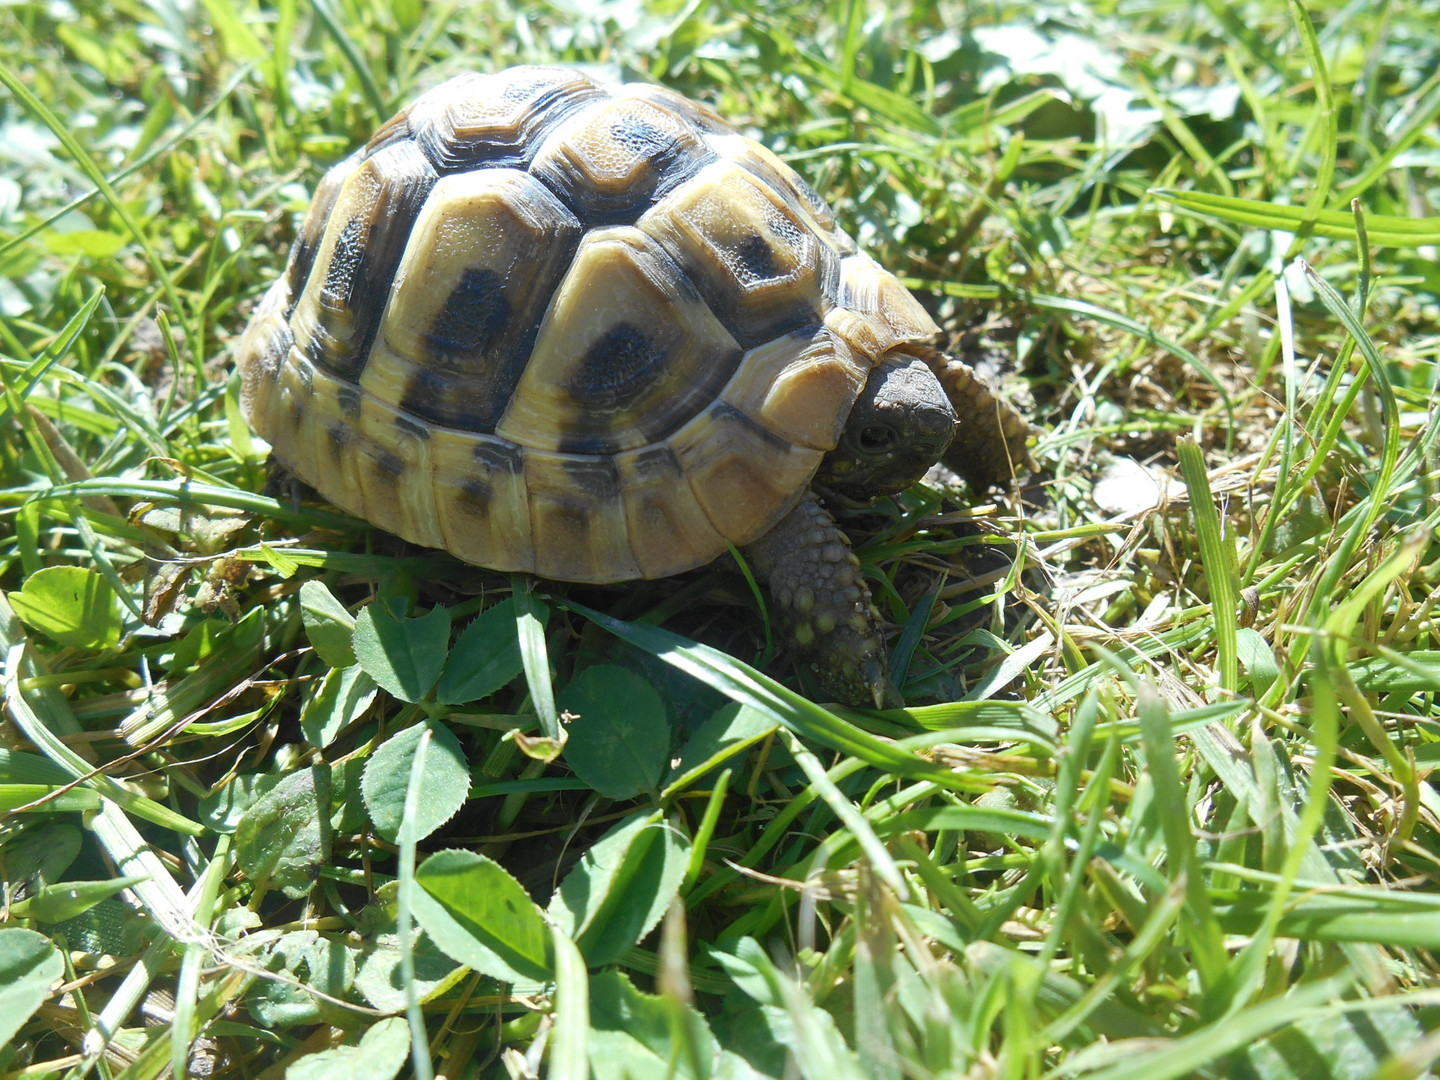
[899, 426]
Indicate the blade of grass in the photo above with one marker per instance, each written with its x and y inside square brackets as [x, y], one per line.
[1203, 931]
[184, 1027]
[1385, 230]
[1390, 410]
[1418, 120]
[330, 19]
[1181, 1057]
[157, 151]
[535, 657]
[1217, 555]
[705, 831]
[569, 1039]
[1329, 117]
[29, 722]
[1068, 791]
[58, 348]
[193, 493]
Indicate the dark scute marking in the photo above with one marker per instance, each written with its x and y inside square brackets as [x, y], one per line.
[499, 457]
[348, 398]
[306, 377]
[307, 244]
[679, 166]
[656, 417]
[339, 434]
[572, 522]
[522, 88]
[469, 401]
[302, 258]
[477, 493]
[370, 249]
[425, 388]
[413, 428]
[751, 324]
[640, 137]
[315, 347]
[754, 320]
[450, 156]
[470, 389]
[755, 260]
[595, 476]
[387, 461]
[724, 411]
[347, 262]
[804, 334]
[785, 229]
[619, 365]
[473, 318]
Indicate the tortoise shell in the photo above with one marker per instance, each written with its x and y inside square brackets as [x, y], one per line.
[556, 325]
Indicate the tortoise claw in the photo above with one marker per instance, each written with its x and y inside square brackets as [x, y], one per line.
[882, 687]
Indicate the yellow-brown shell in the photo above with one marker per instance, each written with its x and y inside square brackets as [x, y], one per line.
[560, 326]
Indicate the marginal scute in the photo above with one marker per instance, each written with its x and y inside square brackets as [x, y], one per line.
[615, 157]
[868, 289]
[498, 119]
[624, 373]
[310, 432]
[339, 313]
[800, 387]
[761, 269]
[743, 476]
[669, 532]
[481, 500]
[875, 312]
[484, 258]
[395, 473]
[578, 517]
[263, 348]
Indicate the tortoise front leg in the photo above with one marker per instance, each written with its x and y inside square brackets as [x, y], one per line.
[824, 605]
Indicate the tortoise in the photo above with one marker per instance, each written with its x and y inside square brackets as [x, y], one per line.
[591, 332]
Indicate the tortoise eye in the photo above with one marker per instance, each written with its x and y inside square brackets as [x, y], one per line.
[876, 439]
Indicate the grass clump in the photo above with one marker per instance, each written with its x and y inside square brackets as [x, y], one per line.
[282, 797]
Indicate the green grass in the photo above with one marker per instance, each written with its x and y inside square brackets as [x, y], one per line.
[280, 796]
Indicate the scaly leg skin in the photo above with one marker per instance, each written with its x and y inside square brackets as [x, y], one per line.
[824, 605]
[990, 438]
